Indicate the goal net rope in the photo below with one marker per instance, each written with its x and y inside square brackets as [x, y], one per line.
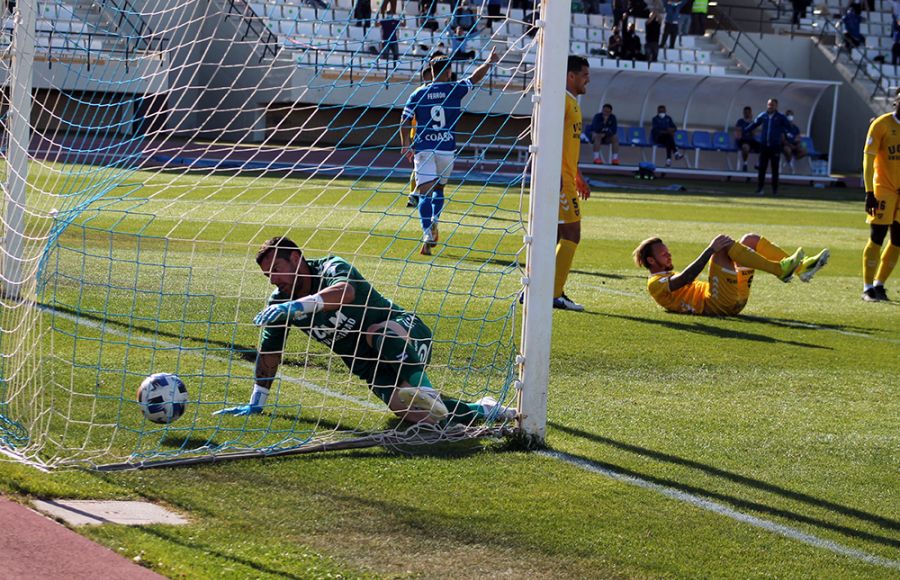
[166, 140]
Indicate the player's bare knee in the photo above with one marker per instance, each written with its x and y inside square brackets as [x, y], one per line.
[750, 240]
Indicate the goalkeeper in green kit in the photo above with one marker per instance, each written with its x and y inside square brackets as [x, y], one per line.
[379, 342]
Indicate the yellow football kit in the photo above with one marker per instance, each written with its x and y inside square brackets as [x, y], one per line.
[569, 212]
[725, 294]
[883, 141]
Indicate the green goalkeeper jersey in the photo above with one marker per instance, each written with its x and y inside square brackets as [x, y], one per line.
[340, 330]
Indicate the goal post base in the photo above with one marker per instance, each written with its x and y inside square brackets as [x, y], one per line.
[413, 436]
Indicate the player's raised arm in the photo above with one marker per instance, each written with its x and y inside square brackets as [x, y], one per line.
[689, 274]
[479, 73]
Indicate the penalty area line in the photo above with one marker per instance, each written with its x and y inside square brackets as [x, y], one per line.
[723, 510]
[171, 345]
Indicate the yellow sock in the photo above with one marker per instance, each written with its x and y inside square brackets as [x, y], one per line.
[565, 253]
[871, 258]
[888, 261]
[770, 251]
[747, 258]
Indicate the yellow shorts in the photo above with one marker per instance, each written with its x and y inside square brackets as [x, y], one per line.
[569, 211]
[888, 204]
[728, 291]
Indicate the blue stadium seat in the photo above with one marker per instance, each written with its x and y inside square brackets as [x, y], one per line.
[620, 133]
[636, 137]
[722, 141]
[701, 141]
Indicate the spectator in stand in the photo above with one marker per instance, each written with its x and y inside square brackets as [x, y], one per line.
[651, 37]
[895, 16]
[619, 8]
[794, 148]
[388, 7]
[698, 17]
[362, 14]
[851, 20]
[670, 30]
[774, 126]
[605, 131]
[798, 11]
[684, 18]
[631, 44]
[592, 6]
[492, 9]
[662, 132]
[614, 45]
[389, 24]
[638, 9]
[895, 49]
[745, 140]
[462, 25]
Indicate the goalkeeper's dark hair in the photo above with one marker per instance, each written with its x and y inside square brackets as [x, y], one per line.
[281, 245]
[576, 63]
[644, 251]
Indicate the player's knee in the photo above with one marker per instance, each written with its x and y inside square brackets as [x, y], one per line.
[418, 405]
[750, 240]
[895, 233]
[877, 233]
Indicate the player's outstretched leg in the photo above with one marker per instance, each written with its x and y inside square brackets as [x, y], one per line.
[813, 264]
[745, 256]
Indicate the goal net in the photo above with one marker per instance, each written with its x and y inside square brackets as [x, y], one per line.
[150, 149]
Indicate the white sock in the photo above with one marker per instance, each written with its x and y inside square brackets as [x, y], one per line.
[878, 283]
[867, 287]
[615, 156]
[259, 396]
[597, 156]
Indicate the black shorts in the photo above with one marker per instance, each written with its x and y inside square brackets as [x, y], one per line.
[752, 143]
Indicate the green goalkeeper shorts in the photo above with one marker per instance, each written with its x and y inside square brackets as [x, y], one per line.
[403, 345]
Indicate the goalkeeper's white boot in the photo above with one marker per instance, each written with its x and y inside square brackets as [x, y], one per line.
[494, 411]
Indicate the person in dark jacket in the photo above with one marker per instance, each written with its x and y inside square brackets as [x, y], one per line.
[852, 36]
[651, 37]
[774, 127]
[670, 29]
[662, 132]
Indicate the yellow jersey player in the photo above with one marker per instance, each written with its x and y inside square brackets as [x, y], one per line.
[573, 186]
[881, 174]
[730, 273]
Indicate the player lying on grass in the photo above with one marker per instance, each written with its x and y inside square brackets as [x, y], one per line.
[730, 273]
[381, 343]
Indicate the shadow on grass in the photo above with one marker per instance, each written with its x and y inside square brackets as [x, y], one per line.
[800, 325]
[246, 353]
[203, 548]
[696, 326]
[850, 512]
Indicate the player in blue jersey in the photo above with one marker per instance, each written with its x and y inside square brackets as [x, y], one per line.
[436, 108]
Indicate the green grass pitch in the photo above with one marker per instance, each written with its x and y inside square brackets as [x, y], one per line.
[788, 414]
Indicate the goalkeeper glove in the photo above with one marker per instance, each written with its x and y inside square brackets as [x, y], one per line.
[294, 311]
[240, 410]
[257, 402]
[871, 203]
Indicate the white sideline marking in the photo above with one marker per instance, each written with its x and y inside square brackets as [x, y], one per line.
[309, 385]
[718, 508]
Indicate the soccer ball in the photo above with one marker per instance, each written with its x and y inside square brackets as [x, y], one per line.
[162, 397]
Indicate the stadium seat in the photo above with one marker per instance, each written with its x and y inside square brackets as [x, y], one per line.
[723, 141]
[700, 141]
[634, 137]
[683, 142]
